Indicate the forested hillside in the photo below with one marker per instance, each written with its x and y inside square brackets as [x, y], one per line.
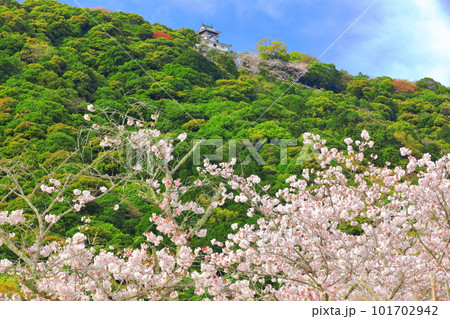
[55, 60]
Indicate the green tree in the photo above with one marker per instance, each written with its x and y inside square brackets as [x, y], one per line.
[322, 75]
[276, 49]
[197, 62]
[60, 141]
[356, 88]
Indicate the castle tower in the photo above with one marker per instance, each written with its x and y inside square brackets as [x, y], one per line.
[210, 38]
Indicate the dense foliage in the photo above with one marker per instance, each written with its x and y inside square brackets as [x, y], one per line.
[56, 59]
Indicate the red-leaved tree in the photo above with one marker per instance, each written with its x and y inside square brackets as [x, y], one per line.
[404, 86]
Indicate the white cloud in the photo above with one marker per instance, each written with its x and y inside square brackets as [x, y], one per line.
[407, 39]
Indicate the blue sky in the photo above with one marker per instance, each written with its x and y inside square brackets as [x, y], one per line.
[405, 39]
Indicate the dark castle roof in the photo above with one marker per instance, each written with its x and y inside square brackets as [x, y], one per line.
[207, 28]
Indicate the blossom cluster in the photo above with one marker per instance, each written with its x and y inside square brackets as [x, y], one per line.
[82, 197]
[13, 218]
[281, 70]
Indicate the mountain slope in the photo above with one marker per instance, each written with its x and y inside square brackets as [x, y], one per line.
[56, 59]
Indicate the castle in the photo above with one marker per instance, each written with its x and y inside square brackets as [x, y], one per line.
[209, 37]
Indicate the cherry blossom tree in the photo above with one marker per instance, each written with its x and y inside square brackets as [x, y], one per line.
[301, 247]
[71, 270]
[275, 68]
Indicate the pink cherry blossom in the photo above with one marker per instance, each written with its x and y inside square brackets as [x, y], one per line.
[182, 137]
[348, 141]
[151, 237]
[51, 218]
[201, 233]
[404, 151]
[13, 218]
[365, 135]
